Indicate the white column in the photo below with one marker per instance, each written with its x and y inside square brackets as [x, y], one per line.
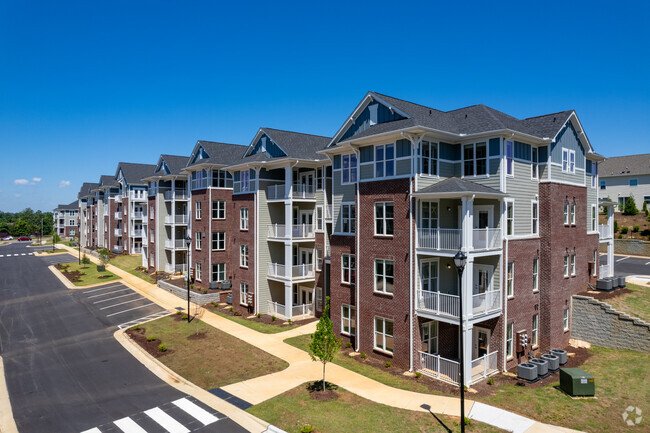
[610, 242]
[288, 245]
[467, 352]
[466, 287]
[467, 223]
[288, 300]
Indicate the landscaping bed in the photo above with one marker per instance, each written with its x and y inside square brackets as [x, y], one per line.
[302, 408]
[261, 323]
[84, 274]
[202, 354]
[133, 265]
[633, 300]
[182, 284]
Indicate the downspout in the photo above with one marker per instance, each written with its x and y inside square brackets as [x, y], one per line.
[505, 302]
[257, 240]
[209, 237]
[356, 250]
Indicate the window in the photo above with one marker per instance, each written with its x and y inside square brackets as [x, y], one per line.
[319, 179]
[566, 214]
[243, 256]
[535, 217]
[385, 160]
[475, 159]
[509, 155]
[621, 202]
[429, 158]
[221, 179]
[218, 210]
[566, 266]
[319, 218]
[430, 337]
[533, 339]
[573, 264]
[429, 275]
[349, 168]
[384, 275]
[634, 182]
[603, 184]
[348, 320]
[218, 241]
[573, 213]
[510, 216]
[151, 212]
[509, 347]
[566, 319]
[568, 161]
[244, 177]
[243, 291]
[535, 274]
[594, 218]
[384, 334]
[243, 218]
[197, 240]
[197, 267]
[218, 272]
[384, 218]
[151, 259]
[199, 179]
[348, 218]
[429, 216]
[151, 233]
[198, 210]
[348, 268]
[510, 281]
[534, 167]
[319, 257]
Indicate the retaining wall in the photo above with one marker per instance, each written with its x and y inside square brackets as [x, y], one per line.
[628, 247]
[197, 298]
[599, 324]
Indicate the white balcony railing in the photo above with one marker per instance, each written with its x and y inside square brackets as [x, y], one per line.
[178, 244]
[178, 194]
[276, 309]
[302, 271]
[118, 232]
[451, 239]
[304, 191]
[438, 303]
[328, 212]
[118, 198]
[487, 239]
[278, 270]
[486, 303]
[484, 366]
[176, 219]
[604, 231]
[118, 249]
[118, 215]
[440, 368]
[275, 192]
[172, 269]
[297, 311]
[603, 271]
[136, 250]
[136, 233]
[297, 231]
[138, 215]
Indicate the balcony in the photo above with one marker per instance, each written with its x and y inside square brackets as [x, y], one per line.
[451, 239]
[277, 192]
[437, 367]
[176, 219]
[447, 306]
[300, 231]
[484, 366]
[136, 233]
[177, 194]
[138, 196]
[297, 311]
[173, 269]
[604, 232]
[136, 250]
[118, 198]
[138, 215]
[298, 272]
[117, 249]
[118, 215]
[118, 232]
[176, 244]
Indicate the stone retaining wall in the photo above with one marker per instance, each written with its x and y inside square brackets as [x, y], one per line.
[598, 323]
[197, 298]
[628, 247]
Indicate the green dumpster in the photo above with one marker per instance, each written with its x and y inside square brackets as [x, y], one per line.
[577, 382]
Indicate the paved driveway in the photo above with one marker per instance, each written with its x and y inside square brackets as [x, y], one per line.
[626, 265]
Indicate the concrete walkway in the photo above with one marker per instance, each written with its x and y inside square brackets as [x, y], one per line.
[302, 369]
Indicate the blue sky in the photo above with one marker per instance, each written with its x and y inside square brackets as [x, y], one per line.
[84, 85]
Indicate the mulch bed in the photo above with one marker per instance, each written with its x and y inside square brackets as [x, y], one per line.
[138, 335]
[317, 393]
[264, 318]
[597, 294]
[200, 336]
[181, 283]
[73, 276]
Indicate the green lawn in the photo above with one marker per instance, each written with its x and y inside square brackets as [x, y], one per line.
[128, 263]
[635, 304]
[295, 409]
[257, 326]
[302, 342]
[622, 380]
[217, 359]
[91, 274]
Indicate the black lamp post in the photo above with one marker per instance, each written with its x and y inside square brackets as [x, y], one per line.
[460, 259]
[188, 241]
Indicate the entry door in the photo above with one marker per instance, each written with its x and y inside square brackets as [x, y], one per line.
[480, 342]
[306, 217]
[430, 337]
[306, 295]
[482, 278]
[306, 256]
[307, 181]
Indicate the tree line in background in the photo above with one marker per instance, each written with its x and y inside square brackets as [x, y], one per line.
[26, 222]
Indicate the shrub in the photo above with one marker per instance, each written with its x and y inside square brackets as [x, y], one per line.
[289, 321]
[630, 206]
[259, 315]
[151, 338]
[101, 268]
[214, 304]
[490, 381]
[388, 364]
[620, 236]
[645, 208]
[645, 232]
[615, 226]
[624, 230]
[418, 375]
[205, 291]
[135, 328]
[192, 286]
[468, 421]
[348, 344]
[307, 429]
[635, 229]
[178, 312]
[273, 318]
[230, 309]
[363, 355]
[162, 348]
[184, 317]
[85, 260]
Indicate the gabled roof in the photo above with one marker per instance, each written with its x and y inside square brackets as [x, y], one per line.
[215, 153]
[106, 181]
[630, 165]
[86, 189]
[474, 119]
[175, 163]
[134, 173]
[458, 186]
[295, 144]
[72, 206]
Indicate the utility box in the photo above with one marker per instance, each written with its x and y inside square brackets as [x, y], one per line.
[577, 383]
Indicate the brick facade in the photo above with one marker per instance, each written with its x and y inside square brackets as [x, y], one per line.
[340, 293]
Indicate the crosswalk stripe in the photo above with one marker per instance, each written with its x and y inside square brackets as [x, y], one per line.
[196, 411]
[127, 425]
[92, 430]
[166, 421]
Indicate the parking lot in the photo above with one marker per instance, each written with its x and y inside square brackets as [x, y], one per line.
[59, 258]
[115, 304]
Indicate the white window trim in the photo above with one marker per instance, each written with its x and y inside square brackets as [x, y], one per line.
[224, 270]
[352, 311]
[572, 265]
[474, 159]
[350, 268]
[375, 161]
[218, 242]
[534, 166]
[384, 276]
[534, 220]
[374, 336]
[430, 144]
[565, 319]
[197, 210]
[320, 221]
[567, 153]
[510, 277]
[319, 258]
[534, 334]
[510, 202]
[197, 273]
[242, 299]
[535, 274]
[566, 212]
[510, 329]
[243, 220]
[197, 241]
[353, 221]
[566, 266]
[349, 169]
[221, 206]
[243, 256]
[572, 213]
[512, 158]
[384, 219]
[593, 219]
[430, 261]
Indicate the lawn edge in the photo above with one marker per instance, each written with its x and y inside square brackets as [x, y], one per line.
[71, 285]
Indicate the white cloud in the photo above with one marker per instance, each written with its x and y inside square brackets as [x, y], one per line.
[21, 182]
[64, 183]
[16, 195]
[36, 179]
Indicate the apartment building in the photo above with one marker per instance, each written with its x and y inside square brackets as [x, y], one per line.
[622, 177]
[66, 219]
[85, 203]
[164, 247]
[105, 193]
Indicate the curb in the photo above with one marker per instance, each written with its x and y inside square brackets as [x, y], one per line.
[7, 422]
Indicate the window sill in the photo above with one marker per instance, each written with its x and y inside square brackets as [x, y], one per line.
[378, 236]
[218, 219]
[566, 330]
[510, 297]
[385, 294]
[345, 283]
[243, 267]
[383, 352]
[243, 230]
[536, 291]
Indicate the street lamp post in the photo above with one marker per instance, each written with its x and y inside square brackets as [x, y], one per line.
[79, 239]
[188, 241]
[460, 259]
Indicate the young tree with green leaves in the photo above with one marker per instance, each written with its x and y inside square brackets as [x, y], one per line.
[645, 207]
[324, 344]
[630, 206]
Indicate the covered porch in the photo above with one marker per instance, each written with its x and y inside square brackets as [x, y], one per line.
[292, 301]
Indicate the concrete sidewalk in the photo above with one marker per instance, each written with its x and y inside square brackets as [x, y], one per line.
[302, 369]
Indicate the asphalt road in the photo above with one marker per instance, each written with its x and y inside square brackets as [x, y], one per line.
[64, 370]
[626, 265]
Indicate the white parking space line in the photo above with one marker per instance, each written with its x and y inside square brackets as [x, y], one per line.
[108, 293]
[121, 303]
[127, 425]
[130, 309]
[621, 259]
[115, 297]
[648, 263]
[166, 421]
[143, 319]
[197, 412]
[102, 288]
[23, 254]
[92, 430]
[2, 255]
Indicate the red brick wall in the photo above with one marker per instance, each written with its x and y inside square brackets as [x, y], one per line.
[234, 239]
[201, 225]
[340, 293]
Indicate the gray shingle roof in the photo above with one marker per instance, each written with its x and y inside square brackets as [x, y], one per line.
[107, 180]
[86, 189]
[175, 163]
[467, 120]
[458, 185]
[134, 173]
[220, 153]
[630, 165]
[72, 206]
[295, 144]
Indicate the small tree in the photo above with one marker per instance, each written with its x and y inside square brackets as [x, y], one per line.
[324, 343]
[198, 315]
[104, 257]
[630, 206]
[615, 226]
[56, 239]
[645, 207]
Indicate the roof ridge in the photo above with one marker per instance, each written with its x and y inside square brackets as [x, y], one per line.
[264, 128]
[549, 114]
[408, 102]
